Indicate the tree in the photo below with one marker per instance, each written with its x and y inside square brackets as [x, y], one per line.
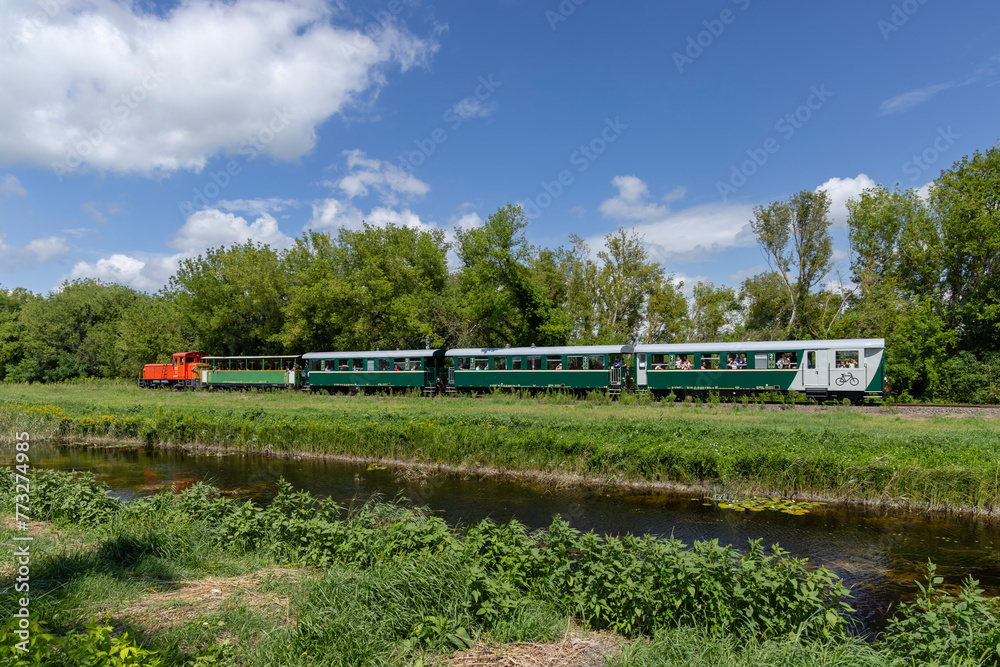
[966, 198]
[494, 299]
[12, 327]
[232, 299]
[764, 307]
[149, 331]
[666, 313]
[711, 313]
[795, 239]
[377, 287]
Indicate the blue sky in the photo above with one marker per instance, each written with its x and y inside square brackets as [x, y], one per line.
[135, 135]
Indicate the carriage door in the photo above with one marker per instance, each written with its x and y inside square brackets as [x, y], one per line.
[816, 369]
[640, 369]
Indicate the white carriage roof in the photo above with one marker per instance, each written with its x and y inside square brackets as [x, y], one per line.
[776, 345]
[264, 356]
[576, 349]
[374, 353]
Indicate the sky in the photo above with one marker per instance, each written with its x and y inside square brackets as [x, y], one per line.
[136, 135]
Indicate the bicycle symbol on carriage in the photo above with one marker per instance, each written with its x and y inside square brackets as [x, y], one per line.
[845, 378]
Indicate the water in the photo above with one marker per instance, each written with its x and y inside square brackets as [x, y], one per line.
[879, 554]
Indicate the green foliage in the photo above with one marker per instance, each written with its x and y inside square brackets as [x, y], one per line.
[97, 647]
[940, 628]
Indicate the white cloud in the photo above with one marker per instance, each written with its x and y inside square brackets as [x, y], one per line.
[10, 186]
[211, 228]
[37, 251]
[682, 236]
[117, 88]
[910, 99]
[48, 249]
[335, 214]
[467, 221]
[99, 212]
[842, 189]
[924, 191]
[472, 107]
[148, 274]
[391, 182]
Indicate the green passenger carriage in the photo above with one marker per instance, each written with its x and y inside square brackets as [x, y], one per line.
[379, 369]
[263, 372]
[579, 368]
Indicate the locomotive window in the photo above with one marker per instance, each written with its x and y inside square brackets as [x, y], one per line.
[710, 362]
[553, 363]
[414, 365]
[574, 363]
[847, 358]
[515, 364]
[481, 364]
[597, 362]
[462, 363]
[534, 363]
[499, 363]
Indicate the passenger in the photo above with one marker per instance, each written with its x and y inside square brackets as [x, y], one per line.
[559, 366]
[704, 365]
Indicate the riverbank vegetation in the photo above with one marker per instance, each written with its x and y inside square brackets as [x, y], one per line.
[384, 584]
[732, 451]
[920, 276]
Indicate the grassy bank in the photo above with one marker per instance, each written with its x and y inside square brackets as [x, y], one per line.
[195, 579]
[835, 453]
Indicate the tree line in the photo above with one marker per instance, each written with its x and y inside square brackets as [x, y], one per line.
[923, 276]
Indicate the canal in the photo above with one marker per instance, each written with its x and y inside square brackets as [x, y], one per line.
[878, 553]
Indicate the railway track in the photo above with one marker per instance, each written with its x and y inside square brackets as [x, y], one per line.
[944, 405]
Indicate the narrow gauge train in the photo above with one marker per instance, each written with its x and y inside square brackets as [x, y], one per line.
[822, 369]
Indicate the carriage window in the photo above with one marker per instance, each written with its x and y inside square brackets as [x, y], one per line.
[847, 358]
[359, 364]
[515, 364]
[345, 365]
[811, 359]
[736, 360]
[385, 364]
[534, 363]
[499, 363]
[683, 362]
[481, 364]
[553, 363]
[574, 363]
[658, 362]
[709, 362]
[597, 362]
[462, 363]
[414, 365]
[791, 359]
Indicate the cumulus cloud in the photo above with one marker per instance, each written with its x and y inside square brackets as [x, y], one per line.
[109, 84]
[335, 214]
[211, 228]
[11, 186]
[680, 236]
[842, 189]
[37, 251]
[205, 229]
[391, 183]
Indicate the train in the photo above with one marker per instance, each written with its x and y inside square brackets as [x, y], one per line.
[852, 369]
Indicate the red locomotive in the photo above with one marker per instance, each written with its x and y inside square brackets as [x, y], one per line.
[184, 371]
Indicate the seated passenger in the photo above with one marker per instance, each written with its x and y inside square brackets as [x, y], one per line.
[559, 366]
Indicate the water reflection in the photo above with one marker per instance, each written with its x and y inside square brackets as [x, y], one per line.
[878, 553]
